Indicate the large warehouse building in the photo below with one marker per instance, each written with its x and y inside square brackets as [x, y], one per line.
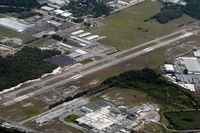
[13, 24]
[192, 64]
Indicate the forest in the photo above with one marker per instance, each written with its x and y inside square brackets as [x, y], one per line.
[25, 65]
[171, 11]
[17, 5]
[153, 84]
[81, 8]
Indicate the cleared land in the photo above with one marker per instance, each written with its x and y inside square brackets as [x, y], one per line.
[155, 128]
[8, 33]
[121, 96]
[184, 120]
[127, 28]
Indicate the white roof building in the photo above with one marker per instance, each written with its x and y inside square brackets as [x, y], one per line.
[197, 53]
[84, 34]
[77, 32]
[47, 8]
[54, 23]
[13, 24]
[57, 2]
[192, 64]
[81, 51]
[59, 12]
[66, 14]
[169, 68]
[99, 120]
[92, 37]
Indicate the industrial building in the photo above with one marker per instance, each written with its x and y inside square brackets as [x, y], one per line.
[167, 68]
[47, 8]
[101, 119]
[191, 64]
[61, 60]
[57, 2]
[196, 53]
[13, 24]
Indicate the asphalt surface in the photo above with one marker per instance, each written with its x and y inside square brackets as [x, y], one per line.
[76, 73]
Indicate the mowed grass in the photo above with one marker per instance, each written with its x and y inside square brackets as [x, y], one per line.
[8, 33]
[155, 128]
[185, 120]
[121, 96]
[30, 111]
[71, 118]
[127, 28]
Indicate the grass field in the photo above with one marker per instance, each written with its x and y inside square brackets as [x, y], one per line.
[71, 118]
[8, 33]
[85, 61]
[155, 128]
[184, 120]
[127, 28]
[31, 111]
[125, 97]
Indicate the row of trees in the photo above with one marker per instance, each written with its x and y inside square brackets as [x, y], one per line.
[155, 86]
[5, 130]
[17, 5]
[88, 7]
[20, 3]
[25, 65]
[171, 11]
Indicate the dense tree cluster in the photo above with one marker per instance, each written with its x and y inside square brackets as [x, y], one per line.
[168, 12]
[5, 130]
[25, 65]
[88, 7]
[155, 86]
[171, 11]
[193, 8]
[17, 5]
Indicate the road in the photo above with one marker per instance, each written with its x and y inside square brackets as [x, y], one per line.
[95, 66]
[19, 126]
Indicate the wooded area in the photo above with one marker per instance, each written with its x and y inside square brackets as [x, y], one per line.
[17, 5]
[81, 8]
[156, 87]
[171, 11]
[25, 65]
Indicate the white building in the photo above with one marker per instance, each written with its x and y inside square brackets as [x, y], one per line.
[13, 24]
[192, 64]
[47, 8]
[169, 68]
[57, 2]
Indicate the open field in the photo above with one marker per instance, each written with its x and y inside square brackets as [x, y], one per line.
[188, 120]
[125, 97]
[155, 128]
[8, 33]
[71, 118]
[127, 28]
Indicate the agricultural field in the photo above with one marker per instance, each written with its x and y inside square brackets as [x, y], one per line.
[184, 120]
[127, 28]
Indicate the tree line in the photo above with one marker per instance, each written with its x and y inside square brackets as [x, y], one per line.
[150, 82]
[171, 11]
[81, 8]
[17, 5]
[25, 65]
